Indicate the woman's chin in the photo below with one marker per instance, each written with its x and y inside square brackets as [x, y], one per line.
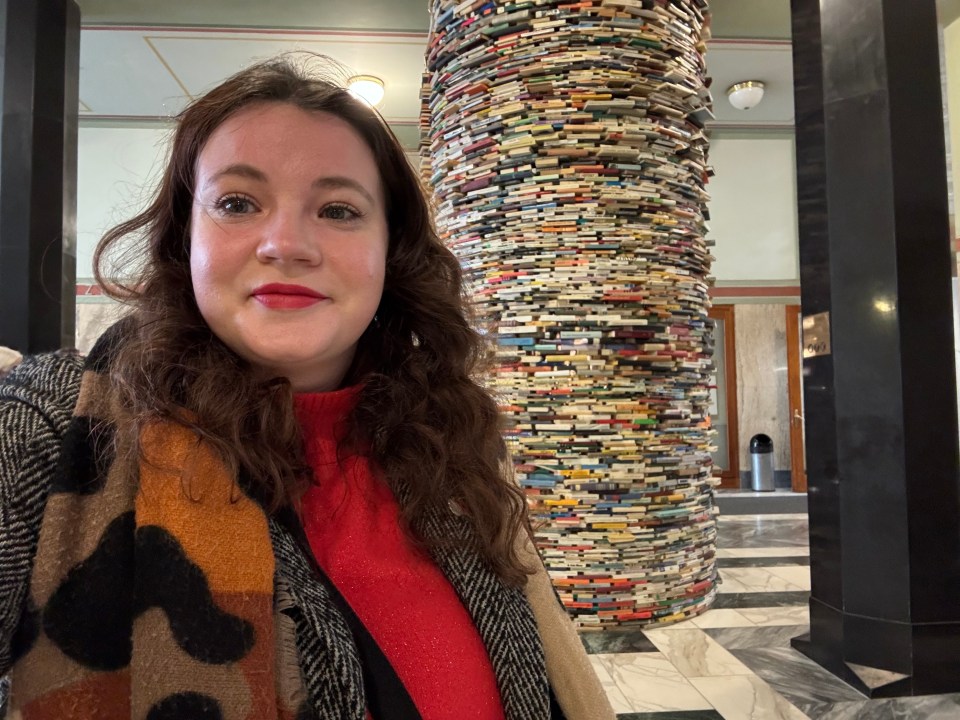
[306, 371]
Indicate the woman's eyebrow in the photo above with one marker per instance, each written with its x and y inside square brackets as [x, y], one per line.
[339, 181]
[240, 170]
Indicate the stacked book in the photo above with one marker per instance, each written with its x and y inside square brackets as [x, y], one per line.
[565, 144]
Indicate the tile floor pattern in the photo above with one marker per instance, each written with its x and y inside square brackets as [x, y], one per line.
[735, 662]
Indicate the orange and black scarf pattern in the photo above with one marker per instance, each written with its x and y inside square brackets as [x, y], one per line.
[150, 599]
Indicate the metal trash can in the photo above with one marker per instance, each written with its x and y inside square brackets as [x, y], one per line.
[761, 463]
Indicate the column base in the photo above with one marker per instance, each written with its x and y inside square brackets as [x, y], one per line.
[881, 658]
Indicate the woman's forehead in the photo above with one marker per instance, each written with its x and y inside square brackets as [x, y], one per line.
[276, 139]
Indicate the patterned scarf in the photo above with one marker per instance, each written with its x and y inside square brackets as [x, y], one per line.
[176, 597]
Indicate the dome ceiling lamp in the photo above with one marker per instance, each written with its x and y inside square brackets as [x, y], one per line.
[368, 88]
[745, 95]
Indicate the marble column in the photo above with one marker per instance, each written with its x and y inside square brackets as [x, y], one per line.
[762, 393]
[39, 79]
[881, 408]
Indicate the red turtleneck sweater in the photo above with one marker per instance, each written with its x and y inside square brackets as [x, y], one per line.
[351, 519]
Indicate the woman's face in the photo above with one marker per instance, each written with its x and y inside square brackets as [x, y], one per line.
[288, 241]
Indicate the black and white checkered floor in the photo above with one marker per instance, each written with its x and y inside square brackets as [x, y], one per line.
[735, 661]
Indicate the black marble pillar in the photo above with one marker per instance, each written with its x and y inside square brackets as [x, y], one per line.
[39, 76]
[881, 409]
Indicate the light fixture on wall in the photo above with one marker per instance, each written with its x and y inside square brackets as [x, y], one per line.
[745, 95]
[367, 88]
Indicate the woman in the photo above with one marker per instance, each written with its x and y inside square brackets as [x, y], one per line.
[275, 489]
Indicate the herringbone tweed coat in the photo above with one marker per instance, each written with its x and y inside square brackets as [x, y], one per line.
[143, 603]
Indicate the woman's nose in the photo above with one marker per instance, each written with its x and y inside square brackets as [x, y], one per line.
[289, 237]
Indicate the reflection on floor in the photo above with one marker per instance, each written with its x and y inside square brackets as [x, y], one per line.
[735, 661]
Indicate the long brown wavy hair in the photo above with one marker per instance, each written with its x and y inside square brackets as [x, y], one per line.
[422, 416]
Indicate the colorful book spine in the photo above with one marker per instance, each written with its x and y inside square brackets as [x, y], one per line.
[566, 147]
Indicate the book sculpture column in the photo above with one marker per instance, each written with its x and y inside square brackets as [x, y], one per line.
[565, 146]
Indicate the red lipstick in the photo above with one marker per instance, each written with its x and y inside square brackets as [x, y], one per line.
[280, 296]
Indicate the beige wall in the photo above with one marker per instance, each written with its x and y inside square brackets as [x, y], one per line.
[951, 58]
[753, 208]
[762, 399]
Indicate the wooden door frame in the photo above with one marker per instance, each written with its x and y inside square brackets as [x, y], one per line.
[730, 477]
[798, 469]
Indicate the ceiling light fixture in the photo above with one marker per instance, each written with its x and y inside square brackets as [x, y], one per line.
[367, 88]
[745, 95]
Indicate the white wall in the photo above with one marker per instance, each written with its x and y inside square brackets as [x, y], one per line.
[753, 208]
[117, 169]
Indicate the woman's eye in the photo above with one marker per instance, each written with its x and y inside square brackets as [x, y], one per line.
[339, 212]
[235, 205]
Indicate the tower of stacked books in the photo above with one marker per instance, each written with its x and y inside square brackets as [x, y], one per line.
[565, 145]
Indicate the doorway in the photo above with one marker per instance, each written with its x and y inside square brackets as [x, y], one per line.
[723, 397]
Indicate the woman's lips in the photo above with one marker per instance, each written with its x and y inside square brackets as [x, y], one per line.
[279, 296]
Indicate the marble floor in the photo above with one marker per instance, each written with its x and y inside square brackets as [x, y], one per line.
[735, 661]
